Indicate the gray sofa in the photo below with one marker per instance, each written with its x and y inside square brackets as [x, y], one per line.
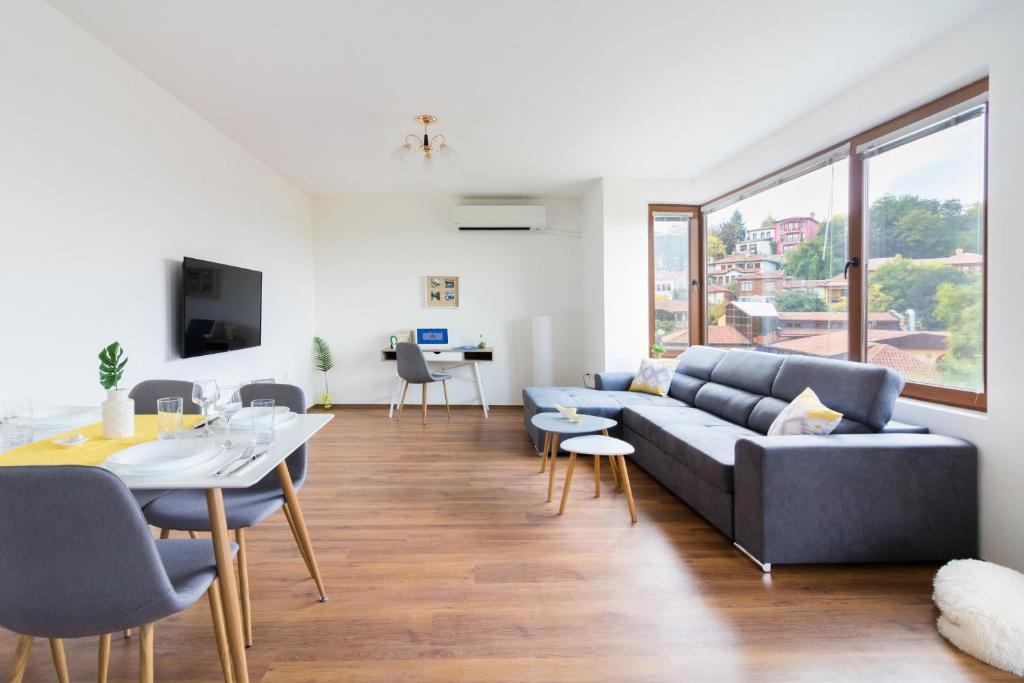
[874, 490]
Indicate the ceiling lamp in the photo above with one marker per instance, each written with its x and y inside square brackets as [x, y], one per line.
[430, 147]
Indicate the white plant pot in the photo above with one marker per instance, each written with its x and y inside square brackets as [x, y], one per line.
[118, 415]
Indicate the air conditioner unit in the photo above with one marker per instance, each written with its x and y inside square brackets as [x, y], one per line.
[488, 218]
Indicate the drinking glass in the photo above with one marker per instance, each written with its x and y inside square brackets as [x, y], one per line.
[168, 417]
[204, 393]
[263, 420]
[229, 402]
[15, 421]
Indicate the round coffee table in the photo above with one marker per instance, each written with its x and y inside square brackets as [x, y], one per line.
[597, 446]
[553, 425]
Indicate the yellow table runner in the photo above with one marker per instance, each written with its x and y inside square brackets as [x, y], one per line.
[92, 452]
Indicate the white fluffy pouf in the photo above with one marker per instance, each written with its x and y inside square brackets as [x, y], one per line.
[982, 606]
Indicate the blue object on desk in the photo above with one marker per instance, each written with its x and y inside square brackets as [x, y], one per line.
[468, 347]
[432, 335]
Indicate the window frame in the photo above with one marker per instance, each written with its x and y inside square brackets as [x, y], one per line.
[696, 249]
[856, 244]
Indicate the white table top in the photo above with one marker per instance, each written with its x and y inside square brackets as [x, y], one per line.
[287, 437]
[596, 444]
[554, 422]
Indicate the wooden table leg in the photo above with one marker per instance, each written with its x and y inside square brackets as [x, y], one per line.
[292, 499]
[20, 662]
[544, 451]
[568, 482]
[597, 476]
[551, 466]
[229, 587]
[103, 660]
[624, 477]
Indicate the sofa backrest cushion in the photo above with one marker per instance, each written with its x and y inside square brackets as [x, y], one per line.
[768, 408]
[727, 402]
[685, 388]
[748, 370]
[700, 361]
[861, 392]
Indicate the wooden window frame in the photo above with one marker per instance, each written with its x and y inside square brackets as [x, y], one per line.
[696, 305]
[857, 246]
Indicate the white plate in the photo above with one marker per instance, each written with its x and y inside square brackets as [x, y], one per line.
[152, 457]
[60, 417]
[243, 418]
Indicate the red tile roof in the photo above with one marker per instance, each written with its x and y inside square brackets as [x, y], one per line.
[718, 335]
[900, 361]
[830, 316]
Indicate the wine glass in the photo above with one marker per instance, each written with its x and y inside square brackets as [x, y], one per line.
[204, 393]
[229, 402]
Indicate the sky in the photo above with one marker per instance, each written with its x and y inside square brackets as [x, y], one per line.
[944, 165]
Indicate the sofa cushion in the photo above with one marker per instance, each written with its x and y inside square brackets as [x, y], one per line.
[748, 370]
[700, 361]
[634, 398]
[685, 388]
[768, 408]
[703, 442]
[730, 403]
[862, 392]
[587, 401]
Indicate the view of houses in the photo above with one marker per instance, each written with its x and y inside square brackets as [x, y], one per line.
[780, 287]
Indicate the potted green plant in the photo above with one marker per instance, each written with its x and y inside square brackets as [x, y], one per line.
[323, 361]
[118, 409]
[657, 350]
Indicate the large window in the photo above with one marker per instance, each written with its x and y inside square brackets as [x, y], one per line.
[924, 188]
[873, 251]
[774, 261]
[672, 233]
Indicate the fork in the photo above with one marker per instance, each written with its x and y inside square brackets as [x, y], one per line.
[224, 468]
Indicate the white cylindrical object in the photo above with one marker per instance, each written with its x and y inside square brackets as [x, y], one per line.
[543, 352]
[118, 415]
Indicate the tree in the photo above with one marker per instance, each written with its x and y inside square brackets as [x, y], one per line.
[822, 256]
[959, 308]
[911, 285]
[716, 247]
[801, 300]
[768, 222]
[732, 231]
[914, 227]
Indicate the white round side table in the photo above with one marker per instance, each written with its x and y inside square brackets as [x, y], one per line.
[614, 449]
[554, 425]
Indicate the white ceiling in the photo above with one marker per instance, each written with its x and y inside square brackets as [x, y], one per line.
[536, 96]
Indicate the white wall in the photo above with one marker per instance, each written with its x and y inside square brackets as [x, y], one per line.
[372, 253]
[106, 182]
[992, 43]
[626, 259]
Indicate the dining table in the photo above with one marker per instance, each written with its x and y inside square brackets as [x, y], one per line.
[95, 451]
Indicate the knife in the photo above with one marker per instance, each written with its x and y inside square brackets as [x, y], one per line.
[245, 463]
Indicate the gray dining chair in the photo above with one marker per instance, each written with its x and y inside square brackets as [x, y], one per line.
[185, 510]
[78, 560]
[146, 394]
[413, 369]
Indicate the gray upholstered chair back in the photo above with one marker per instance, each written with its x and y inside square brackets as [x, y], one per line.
[412, 366]
[76, 556]
[145, 395]
[294, 399]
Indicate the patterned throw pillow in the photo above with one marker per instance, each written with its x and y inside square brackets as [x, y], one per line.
[805, 415]
[654, 376]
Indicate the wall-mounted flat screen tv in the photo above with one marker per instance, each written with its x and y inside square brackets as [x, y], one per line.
[221, 308]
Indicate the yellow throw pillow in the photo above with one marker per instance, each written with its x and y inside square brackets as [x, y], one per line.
[806, 414]
[654, 376]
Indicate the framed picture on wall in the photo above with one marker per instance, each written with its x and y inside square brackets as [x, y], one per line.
[441, 291]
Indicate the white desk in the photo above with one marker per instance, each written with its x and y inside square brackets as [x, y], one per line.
[444, 359]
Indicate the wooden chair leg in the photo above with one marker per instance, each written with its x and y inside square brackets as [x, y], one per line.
[127, 633]
[60, 661]
[193, 535]
[447, 406]
[103, 659]
[597, 476]
[292, 500]
[424, 401]
[146, 653]
[544, 451]
[20, 662]
[243, 586]
[219, 630]
[624, 476]
[401, 404]
[551, 465]
[568, 483]
[165, 534]
[295, 535]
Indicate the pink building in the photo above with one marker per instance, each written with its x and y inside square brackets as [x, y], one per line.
[791, 232]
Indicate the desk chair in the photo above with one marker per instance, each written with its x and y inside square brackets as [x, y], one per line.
[413, 369]
[78, 560]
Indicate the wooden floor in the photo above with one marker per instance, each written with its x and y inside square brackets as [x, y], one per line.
[444, 563]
